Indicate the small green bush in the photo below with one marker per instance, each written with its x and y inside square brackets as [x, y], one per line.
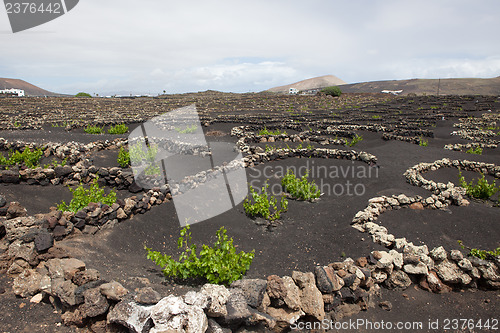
[332, 91]
[376, 117]
[481, 190]
[355, 140]
[139, 156]
[83, 94]
[93, 129]
[259, 205]
[56, 163]
[300, 188]
[220, 264]
[4, 160]
[82, 197]
[265, 131]
[187, 130]
[481, 254]
[118, 129]
[477, 151]
[422, 142]
[123, 158]
[29, 158]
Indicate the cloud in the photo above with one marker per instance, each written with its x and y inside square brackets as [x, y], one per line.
[153, 46]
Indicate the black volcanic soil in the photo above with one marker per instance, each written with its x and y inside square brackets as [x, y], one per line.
[309, 234]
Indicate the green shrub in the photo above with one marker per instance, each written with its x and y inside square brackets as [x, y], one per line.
[422, 142]
[355, 140]
[265, 131]
[123, 158]
[481, 190]
[269, 148]
[56, 163]
[187, 130]
[481, 254]
[29, 158]
[140, 156]
[82, 197]
[300, 188]
[4, 160]
[118, 129]
[83, 94]
[477, 151]
[93, 129]
[260, 205]
[376, 117]
[332, 91]
[220, 264]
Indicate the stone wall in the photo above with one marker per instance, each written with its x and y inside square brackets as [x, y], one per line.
[29, 254]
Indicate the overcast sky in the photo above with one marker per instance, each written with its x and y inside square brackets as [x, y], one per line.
[121, 46]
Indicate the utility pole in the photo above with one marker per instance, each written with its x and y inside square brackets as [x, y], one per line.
[439, 85]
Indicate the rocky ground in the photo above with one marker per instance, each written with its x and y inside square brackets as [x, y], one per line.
[400, 228]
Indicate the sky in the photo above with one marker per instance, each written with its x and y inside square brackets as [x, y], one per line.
[151, 46]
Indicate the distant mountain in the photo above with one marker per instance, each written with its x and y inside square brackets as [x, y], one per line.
[466, 86]
[29, 89]
[314, 83]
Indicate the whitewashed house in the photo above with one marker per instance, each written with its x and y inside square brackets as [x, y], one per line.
[293, 91]
[18, 92]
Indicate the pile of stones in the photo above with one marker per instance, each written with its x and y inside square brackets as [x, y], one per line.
[256, 155]
[412, 139]
[414, 174]
[42, 271]
[332, 292]
[437, 270]
[477, 136]
[467, 146]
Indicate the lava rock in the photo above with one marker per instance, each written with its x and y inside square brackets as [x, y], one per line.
[95, 303]
[82, 277]
[3, 201]
[147, 296]
[172, 314]
[113, 291]
[62, 171]
[59, 232]
[237, 308]
[385, 305]
[3, 231]
[311, 299]
[398, 280]
[131, 315]
[253, 289]
[9, 176]
[218, 296]
[80, 290]
[43, 241]
[276, 288]
[16, 210]
[134, 188]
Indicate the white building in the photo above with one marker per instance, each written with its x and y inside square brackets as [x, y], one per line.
[18, 92]
[394, 92]
[293, 91]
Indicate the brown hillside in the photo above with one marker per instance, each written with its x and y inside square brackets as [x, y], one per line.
[314, 83]
[468, 86]
[29, 89]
